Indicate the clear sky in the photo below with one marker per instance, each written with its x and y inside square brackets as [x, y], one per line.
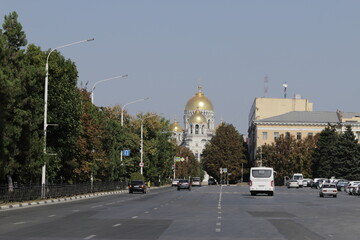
[167, 46]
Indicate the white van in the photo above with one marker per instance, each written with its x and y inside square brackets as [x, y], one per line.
[299, 177]
[262, 181]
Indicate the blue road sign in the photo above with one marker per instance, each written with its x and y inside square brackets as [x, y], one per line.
[126, 153]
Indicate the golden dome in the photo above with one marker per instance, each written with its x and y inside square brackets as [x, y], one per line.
[175, 127]
[199, 101]
[197, 117]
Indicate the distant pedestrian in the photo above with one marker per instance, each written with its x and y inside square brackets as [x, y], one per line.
[148, 184]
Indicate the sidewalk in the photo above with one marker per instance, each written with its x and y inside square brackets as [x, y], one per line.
[57, 200]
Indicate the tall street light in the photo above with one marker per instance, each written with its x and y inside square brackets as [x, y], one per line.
[122, 117]
[141, 142]
[123, 108]
[46, 101]
[107, 79]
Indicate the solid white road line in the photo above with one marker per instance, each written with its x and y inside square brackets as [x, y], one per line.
[90, 237]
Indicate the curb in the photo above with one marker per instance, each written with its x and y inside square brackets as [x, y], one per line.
[59, 200]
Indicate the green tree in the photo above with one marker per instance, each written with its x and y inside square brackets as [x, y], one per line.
[225, 150]
[346, 156]
[288, 155]
[12, 116]
[65, 110]
[190, 167]
[323, 156]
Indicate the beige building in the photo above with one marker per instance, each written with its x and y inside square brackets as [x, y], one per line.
[296, 118]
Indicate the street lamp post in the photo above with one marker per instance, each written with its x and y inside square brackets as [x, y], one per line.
[46, 103]
[142, 141]
[107, 79]
[122, 118]
[123, 108]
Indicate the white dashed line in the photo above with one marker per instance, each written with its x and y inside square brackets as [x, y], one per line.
[97, 206]
[146, 212]
[219, 217]
[90, 237]
[116, 225]
[155, 208]
[134, 217]
[51, 216]
[218, 230]
[17, 223]
[218, 224]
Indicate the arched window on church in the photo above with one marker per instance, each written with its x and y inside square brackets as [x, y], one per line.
[202, 129]
[191, 128]
[196, 129]
[209, 124]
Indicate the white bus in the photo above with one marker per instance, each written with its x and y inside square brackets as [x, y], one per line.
[262, 181]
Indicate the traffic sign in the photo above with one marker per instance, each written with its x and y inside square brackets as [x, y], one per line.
[141, 164]
[126, 153]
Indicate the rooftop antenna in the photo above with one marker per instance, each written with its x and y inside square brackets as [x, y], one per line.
[285, 85]
[266, 87]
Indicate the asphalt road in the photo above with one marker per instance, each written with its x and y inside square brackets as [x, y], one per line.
[207, 212]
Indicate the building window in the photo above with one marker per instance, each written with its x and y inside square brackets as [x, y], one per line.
[298, 135]
[191, 128]
[310, 134]
[265, 135]
[196, 129]
[276, 135]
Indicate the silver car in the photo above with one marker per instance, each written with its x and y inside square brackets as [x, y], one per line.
[328, 190]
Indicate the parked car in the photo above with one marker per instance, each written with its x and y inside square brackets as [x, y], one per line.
[316, 182]
[292, 183]
[196, 181]
[137, 186]
[183, 184]
[355, 189]
[174, 182]
[328, 190]
[341, 185]
[350, 186]
[307, 182]
[211, 181]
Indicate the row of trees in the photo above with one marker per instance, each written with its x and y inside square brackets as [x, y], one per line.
[86, 141]
[328, 154]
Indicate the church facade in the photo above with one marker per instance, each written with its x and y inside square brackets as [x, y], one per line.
[199, 124]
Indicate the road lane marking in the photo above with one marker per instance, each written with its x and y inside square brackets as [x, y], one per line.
[155, 208]
[218, 229]
[90, 237]
[146, 212]
[50, 216]
[116, 225]
[17, 223]
[219, 217]
[218, 224]
[97, 206]
[135, 217]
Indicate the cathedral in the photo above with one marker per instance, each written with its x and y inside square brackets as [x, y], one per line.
[199, 122]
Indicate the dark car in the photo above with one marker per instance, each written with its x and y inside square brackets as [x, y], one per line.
[183, 184]
[211, 181]
[137, 186]
[341, 185]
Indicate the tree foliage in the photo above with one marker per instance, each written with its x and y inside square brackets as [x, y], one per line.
[288, 155]
[225, 150]
[188, 168]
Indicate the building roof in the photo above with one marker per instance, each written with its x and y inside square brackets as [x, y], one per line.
[350, 114]
[303, 117]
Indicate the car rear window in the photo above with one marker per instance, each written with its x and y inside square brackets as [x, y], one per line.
[183, 181]
[329, 186]
[261, 173]
[137, 182]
